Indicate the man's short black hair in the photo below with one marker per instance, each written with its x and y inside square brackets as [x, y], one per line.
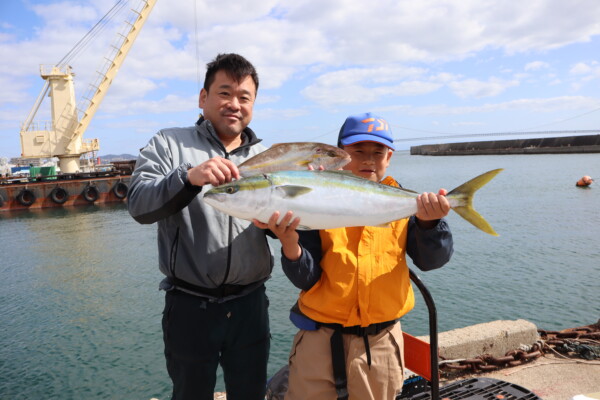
[234, 65]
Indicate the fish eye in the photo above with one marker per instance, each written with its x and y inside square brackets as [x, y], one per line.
[331, 153]
[231, 189]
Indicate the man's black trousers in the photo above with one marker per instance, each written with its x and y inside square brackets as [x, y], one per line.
[200, 334]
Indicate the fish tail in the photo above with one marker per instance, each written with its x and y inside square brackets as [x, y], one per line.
[464, 196]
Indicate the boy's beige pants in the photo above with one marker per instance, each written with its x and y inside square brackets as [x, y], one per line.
[311, 370]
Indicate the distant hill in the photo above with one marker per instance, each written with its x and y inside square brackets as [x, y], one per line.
[117, 157]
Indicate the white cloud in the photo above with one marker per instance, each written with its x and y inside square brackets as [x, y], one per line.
[357, 85]
[580, 69]
[478, 89]
[169, 103]
[536, 66]
[66, 13]
[582, 74]
[444, 29]
[538, 105]
[445, 77]
[13, 91]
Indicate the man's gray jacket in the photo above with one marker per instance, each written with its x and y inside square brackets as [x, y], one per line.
[198, 246]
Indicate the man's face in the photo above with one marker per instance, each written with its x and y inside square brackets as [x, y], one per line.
[369, 160]
[228, 104]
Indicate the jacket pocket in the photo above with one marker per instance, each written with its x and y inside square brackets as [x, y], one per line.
[296, 342]
[398, 342]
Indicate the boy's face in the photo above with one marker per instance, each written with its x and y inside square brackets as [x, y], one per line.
[369, 160]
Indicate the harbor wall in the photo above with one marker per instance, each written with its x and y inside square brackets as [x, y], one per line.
[554, 145]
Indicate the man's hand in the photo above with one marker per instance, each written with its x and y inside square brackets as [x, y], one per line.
[285, 232]
[431, 207]
[216, 171]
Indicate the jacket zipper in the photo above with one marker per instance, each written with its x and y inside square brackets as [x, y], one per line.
[229, 236]
[173, 257]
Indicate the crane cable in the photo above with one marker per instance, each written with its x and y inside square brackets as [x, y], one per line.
[198, 76]
[92, 33]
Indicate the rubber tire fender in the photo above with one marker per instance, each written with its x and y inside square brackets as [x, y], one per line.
[90, 193]
[120, 190]
[59, 195]
[26, 197]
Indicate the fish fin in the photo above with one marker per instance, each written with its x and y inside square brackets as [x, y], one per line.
[304, 228]
[408, 190]
[292, 191]
[464, 194]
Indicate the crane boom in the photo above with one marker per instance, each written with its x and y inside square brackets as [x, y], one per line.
[109, 75]
[64, 139]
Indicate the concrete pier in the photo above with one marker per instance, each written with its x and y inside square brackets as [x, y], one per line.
[555, 145]
[495, 338]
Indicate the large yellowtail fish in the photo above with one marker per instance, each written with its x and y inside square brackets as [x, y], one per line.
[293, 157]
[334, 199]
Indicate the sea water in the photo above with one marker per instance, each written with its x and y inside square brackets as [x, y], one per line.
[80, 307]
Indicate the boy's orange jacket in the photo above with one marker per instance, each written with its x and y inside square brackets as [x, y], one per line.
[365, 277]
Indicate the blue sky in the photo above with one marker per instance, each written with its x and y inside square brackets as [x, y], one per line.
[430, 67]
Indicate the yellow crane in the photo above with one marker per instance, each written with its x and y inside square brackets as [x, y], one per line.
[63, 136]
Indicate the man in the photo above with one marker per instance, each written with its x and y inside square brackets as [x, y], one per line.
[215, 265]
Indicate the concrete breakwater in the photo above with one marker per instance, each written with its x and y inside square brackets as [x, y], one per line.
[554, 145]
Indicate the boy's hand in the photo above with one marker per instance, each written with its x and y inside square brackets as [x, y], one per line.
[431, 207]
[285, 232]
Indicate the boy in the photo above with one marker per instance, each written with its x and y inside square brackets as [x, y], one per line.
[355, 282]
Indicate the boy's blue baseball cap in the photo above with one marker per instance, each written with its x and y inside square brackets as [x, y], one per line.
[366, 127]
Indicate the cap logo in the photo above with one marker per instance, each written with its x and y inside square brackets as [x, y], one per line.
[383, 126]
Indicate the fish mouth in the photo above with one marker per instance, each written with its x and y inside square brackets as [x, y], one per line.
[214, 197]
